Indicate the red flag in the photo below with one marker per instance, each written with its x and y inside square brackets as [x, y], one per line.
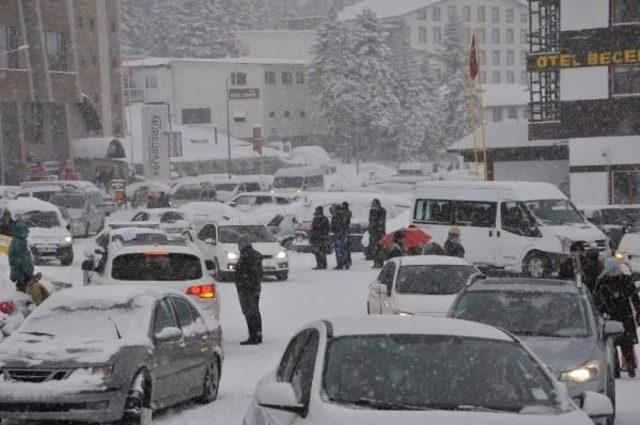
[474, 68]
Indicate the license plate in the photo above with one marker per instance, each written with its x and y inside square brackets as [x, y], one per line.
[46, 250]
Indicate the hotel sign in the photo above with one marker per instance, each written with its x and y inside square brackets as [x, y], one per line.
[555, 61]
[240, 94]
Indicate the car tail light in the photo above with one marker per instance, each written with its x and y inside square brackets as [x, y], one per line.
[7, 307]
[202, 291]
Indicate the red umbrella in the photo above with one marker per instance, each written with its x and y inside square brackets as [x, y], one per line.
[412, 237]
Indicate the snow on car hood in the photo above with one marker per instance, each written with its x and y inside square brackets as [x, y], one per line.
[561, 354]
[630, 244]
[578, 232]
[52, 235]
[423, 304]
[79, 381]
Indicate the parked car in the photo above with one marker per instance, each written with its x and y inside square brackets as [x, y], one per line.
[49, 237]
[419, 285]
[248, 202]
[218, 242]
[86, 211]
[201, 213]
[192, 192]
[228, 189]
[556, 319]
[170, 220]
[612, 220]
[629, 248]
[382, 370]
[299, 179]
[44, 193]
[521, 227]
[102, 355]
[175, 265]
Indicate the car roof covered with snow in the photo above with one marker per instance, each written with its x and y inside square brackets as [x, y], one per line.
[524, 285]
[524, 191]
[177, 246]
[430, 260]
[389, 325]
[205, 210]
[22, 205]
[108, 294]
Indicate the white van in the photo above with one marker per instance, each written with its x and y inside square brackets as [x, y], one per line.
[300, 179]
[517, 226]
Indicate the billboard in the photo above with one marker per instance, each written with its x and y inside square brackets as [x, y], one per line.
[155, 143]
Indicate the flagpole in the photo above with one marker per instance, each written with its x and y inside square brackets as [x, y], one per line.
[484, 131]
[472, 113]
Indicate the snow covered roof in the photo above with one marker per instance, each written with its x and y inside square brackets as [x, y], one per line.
[391, 9]
[22, 205]
[505, 95]
[151, 62]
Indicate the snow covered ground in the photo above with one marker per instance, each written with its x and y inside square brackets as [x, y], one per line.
[307, 296]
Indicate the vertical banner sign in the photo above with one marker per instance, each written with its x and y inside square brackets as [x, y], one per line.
[175, 144]
[155, 143]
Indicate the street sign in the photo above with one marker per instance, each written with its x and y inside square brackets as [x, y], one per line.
[243, 94]
[155, 146]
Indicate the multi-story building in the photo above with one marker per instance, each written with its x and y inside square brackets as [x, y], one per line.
[59, 78]
[501, 28]
[585, 87]
[268, 98]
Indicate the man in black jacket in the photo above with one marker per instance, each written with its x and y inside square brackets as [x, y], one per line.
[377, 229]
[248, 285]
[346, 229]
[318, 238]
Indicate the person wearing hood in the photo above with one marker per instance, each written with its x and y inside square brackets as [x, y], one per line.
[20, 259]
[377, 229]
[616, 297]
[453, 246]
[249, 286]
[346, 228]
[339, 239]
[7, 225]
[318, 238]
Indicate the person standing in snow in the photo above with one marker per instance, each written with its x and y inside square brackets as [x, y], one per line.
[7, 225]
[346, 228]
[377, 229]
[20, 260]
[318, 238]
[453, 246]
[339, 243]
[249, 286]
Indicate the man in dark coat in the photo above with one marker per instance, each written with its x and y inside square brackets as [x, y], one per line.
[453, 246]
[616, 297]
[377, 229]
[20, 260]
[318, 238]
[248, 285]
[346, 228]
[339, 242]
[7, 225]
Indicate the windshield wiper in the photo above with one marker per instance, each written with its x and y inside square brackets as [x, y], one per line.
[38, 333]
[383, 405]
[115, 326]
[491, 409]
[535, 333]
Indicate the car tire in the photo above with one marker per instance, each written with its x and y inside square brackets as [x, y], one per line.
[282, 276]
[66, 260]
[211, 384]
[368, 308]
[137, 409]
[537, 265]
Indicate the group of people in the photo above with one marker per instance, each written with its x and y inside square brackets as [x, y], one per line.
[322, 227]
[160, 201]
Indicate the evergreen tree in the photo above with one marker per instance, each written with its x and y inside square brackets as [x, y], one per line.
[434, 139]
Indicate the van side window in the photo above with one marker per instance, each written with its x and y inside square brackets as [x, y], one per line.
[433, 211]
[476, 214]
[515, 219]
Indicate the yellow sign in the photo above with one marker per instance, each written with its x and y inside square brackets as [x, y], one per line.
[621, 57]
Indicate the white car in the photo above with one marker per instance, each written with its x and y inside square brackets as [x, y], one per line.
[49, 237]
[175, 265]
[204, 212]
[170, 220]
[629, 248]
[413, 371]
[253, 201]
[219, 242]
[426, 284]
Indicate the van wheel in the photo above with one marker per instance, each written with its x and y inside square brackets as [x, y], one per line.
[537, 265]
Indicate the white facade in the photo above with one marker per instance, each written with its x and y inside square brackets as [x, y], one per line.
[501, 28]
[269, 97]
[505, 102]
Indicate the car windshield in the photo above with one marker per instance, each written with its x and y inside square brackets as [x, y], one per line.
[68, 201]
[288, 182]
[533, 313]
[438, 372]
[555, 212]
[135, 238]
[40, 219]
[89, 320]
[616, 216]
[433, 279]
[257, 233]
[156, 266]
[188, 192]
[225, 187]
[171, 217]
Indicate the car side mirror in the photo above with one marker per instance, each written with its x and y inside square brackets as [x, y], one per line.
[232, 204]
[68, 227]
[210, 264]
[87, 266]
[279, 396]
[596, 405]
[170, 334]
[613, 328]
[210, 241]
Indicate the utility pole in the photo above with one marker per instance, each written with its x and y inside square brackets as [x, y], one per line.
[228, 129]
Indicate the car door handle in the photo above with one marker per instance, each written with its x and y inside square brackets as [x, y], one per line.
[490, 233]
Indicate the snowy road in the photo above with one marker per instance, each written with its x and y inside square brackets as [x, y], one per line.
[307, 296]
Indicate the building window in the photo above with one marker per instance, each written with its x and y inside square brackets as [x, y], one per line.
[523, 37]
[94, 60]
[272, 114]
[303, 114]
[524, 17]
[625, 11]
[511, 57]
[300, 77]
[34, 125]
[238, 78]
[496, 77]
[466, 13]
[58, 50]
[451, 12]
[83, 62]
[80, 22]
[9, 58]
[437, 35]
[437, 15]
[287, 78]
[422, 35]
[625, 79]
[482, 57]
[113, 27]
[497, 114]
[510, 15]
[512, 113]
[495, 36]
[495, 14]
[270, 77]
[196, 116]
[287, 114]
[510, 36]
[496, 57]
[523, 57]
[151, 82]
[482, 14]
[481, 35]
[422, 15]
[92, 23]
[114, 63]
[511, 77]
[483, 77]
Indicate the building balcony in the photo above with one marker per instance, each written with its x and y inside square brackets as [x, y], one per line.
[15, 85]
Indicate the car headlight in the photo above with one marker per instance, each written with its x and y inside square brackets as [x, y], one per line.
[402, 313]
[565, 243]
[586, 373]
[67, 240]
[103, 371]
[232, 256]
[281, 255]
[621, 255]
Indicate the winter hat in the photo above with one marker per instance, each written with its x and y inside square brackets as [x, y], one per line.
[454, 231]
[319, 210]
